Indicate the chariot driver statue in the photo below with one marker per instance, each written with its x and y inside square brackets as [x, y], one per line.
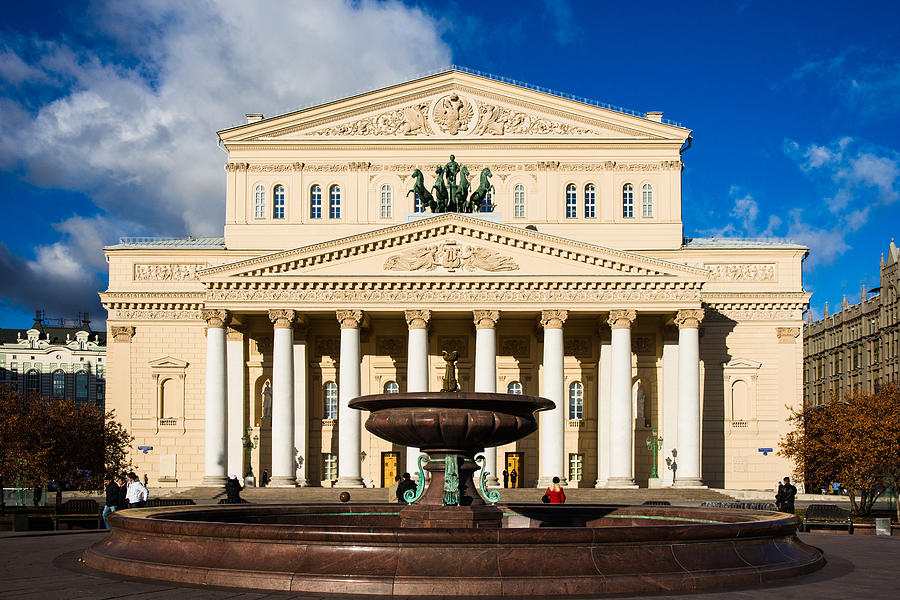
[451, 170]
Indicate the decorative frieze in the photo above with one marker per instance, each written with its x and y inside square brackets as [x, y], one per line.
[580, 347]
[741, 272]
[155, 315]
[390, 345]
[328, 346]
[486, 319]
[621, 319]
[452, 256]
[167, 272]
[417, 319]
[643, 344]
[451, 343]
[517, 347]
[553, 319]
[276, 167]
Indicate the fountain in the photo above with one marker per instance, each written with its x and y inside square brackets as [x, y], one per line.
[454, 539]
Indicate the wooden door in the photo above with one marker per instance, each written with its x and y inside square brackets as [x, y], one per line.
[515, 463]
[390, 463]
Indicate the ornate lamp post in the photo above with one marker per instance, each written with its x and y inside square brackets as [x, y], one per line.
[671, 464]
[249, 446]
[653, 444]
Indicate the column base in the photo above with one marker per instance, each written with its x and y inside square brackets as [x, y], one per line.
[213, 481]
[690, 483]
[545, 482]
[349, 482]
[281, 481]
[621, 483]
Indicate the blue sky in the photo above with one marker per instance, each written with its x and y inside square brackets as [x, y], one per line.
[108, 113]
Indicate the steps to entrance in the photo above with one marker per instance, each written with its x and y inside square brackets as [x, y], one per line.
[269, 495]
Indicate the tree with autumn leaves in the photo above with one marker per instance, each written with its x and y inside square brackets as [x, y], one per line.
[57, 439]
[853, 439]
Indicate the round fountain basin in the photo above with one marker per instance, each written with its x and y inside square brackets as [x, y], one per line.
[539, 551]
[461, 421]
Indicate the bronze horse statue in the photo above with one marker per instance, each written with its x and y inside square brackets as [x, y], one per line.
[419, 190]
[441, 195]
[480, 194]
[462, 192]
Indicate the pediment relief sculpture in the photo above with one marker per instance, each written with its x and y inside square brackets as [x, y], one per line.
[455, 114]
[451, 256]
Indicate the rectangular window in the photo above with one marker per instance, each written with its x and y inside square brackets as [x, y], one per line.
[329, 466]
[576, 467]
[278, 203]
[315, 203]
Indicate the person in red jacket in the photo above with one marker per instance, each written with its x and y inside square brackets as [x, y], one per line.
[556, 493]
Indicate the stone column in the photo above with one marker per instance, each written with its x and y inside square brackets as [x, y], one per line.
[215, 444]
[416, 369]
[486, 373]
[604, 382]
[234, 350]
[553, 422]
[301, 404]
[688, 322]
[621, 419]
[349, 467]
[283, 471]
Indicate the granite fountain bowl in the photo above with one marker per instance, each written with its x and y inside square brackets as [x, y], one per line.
[463, 549]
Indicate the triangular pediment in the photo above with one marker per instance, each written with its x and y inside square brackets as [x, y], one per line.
[742, 363]
[454, 105]
[168, 362]
[454, 245]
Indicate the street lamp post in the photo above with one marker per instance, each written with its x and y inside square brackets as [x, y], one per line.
[653, 444]
[672, 465]
[249, 445]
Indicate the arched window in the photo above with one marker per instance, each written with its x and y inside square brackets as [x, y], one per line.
[646, 200]
[315, 202]
[81, 385]
[576, 401]
[334, 202]
[519, 201]
[628, 200]
[571, 201]
[514, 387]
[278, 202]
[387, 199]
[417, 204]
[259, 203]
[391, 387]
[32, 382]
[590, 201]
[487, 203]
[59, 383]
[331, 401]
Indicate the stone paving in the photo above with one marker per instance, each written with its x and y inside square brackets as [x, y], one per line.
[44, 565]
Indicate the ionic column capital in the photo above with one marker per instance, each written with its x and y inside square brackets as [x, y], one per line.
[417, 319]
[282, 319]
[216, 319]
[621, 319]
[349, 319]
[485, 319]
[689, 318]
[553, 319]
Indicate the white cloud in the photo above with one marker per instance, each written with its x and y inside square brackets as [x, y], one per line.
[136, 132]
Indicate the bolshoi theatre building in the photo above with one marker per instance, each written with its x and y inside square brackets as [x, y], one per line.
[538, 236]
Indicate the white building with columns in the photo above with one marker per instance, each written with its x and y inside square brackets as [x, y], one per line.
[333, 280]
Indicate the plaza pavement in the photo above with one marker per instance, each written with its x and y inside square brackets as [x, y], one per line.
[44, 565]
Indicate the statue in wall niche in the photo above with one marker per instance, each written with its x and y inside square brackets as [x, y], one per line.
[267, 401]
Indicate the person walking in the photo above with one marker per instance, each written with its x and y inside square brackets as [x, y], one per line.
[505, 478]
[406, 483]
[513, 476]
[137, 493]
[556, 493]
[112, 497]
[785, 497]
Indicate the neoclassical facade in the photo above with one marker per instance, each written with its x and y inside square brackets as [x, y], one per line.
[571, 280]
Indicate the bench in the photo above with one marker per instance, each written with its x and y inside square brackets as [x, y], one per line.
[80, 510]
[154, 502]
[826, 515]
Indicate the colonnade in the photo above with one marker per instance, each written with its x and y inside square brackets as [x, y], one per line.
[224, 389]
